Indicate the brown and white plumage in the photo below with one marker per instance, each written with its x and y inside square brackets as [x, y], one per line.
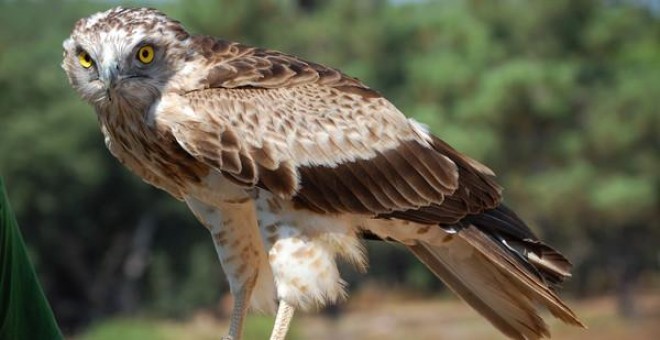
[289, 163]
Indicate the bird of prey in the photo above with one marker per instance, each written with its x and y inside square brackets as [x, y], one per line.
[290, 164]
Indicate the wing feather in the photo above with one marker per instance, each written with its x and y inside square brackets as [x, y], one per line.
[312, 134]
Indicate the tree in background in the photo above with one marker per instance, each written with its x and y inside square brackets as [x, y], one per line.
[559, 98]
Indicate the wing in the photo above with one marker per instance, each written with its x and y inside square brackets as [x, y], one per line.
[325, 140]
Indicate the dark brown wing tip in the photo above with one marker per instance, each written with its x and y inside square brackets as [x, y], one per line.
[467, 160]
[548, 258]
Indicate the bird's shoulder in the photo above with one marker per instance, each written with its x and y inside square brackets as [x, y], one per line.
[235, 65]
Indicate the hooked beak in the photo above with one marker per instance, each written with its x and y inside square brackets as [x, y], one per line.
[109, 75]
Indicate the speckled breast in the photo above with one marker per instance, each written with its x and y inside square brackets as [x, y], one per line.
[156, 152]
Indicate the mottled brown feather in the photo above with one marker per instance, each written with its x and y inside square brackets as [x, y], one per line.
[229, 158]
[237, 65]
[351, 152]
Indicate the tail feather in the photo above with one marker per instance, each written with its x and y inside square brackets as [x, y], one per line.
[554, 267]
[529, 284]
[508, 230]
[493, 281]
[477, 285]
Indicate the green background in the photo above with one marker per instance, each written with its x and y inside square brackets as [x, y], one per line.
[560, 98]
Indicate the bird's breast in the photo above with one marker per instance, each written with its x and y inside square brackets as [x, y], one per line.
[152, 152]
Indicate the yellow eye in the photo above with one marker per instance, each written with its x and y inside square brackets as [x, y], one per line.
[85, 59]
[146, 54]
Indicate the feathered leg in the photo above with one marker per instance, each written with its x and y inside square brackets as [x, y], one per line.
[233, 227]
[238, 313]
[282, 320]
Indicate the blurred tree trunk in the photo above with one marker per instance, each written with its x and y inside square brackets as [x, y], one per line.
[631, 264]
[136, 263]
[626, 292]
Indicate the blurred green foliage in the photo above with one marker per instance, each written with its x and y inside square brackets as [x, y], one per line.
[128, 329]
[256, 327]
[559, 98]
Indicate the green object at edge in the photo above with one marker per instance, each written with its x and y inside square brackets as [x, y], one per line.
[24, 311]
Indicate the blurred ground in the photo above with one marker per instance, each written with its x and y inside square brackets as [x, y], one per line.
[393, 319]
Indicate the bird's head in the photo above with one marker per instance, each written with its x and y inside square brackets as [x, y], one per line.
[123, 56]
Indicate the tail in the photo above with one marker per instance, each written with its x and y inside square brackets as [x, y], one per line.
[502, 271]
